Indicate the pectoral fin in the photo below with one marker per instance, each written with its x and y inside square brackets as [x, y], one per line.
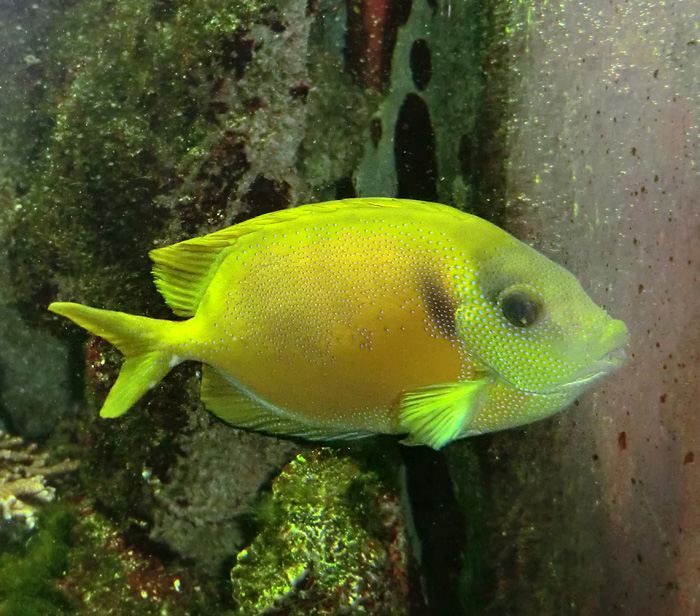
[434, 415]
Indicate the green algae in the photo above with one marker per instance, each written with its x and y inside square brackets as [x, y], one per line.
[30, 572]
[124, 112]
[332, 542]
[78, 562]
[105, 574]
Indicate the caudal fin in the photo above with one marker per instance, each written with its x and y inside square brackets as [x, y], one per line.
[146, 362]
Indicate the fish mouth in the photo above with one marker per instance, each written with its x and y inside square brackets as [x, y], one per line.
[608, 363]
[613, 343]
[611, 361]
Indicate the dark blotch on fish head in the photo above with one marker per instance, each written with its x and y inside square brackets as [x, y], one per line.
[441, 308]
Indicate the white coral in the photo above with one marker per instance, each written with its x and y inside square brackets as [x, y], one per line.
[23, 472]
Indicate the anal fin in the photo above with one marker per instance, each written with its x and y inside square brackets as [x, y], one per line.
[229, 403]
[434, 415]
[241, 409]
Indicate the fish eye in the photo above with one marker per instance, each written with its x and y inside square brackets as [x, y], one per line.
[520, 308]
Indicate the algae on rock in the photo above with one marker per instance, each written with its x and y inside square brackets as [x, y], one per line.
[200, 509]
[333, 542]
[422, 143]
[154, 122]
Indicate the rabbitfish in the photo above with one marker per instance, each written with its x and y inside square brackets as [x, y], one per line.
[365, 316]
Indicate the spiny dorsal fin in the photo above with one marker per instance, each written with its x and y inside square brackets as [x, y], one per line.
[434, 415]
[183, 271]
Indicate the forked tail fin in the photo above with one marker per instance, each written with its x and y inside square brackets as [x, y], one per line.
[140, 339]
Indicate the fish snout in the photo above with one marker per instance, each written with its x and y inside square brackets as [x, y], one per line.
[604, 355]
[613, 346]
[616, 357]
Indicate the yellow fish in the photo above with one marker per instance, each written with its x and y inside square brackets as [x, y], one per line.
[363, 316]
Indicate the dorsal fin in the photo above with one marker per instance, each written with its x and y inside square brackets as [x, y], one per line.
[183, 271]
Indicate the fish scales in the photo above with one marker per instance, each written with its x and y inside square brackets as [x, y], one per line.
[335, 332]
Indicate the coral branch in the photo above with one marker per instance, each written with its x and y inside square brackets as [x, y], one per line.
[23, 473]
